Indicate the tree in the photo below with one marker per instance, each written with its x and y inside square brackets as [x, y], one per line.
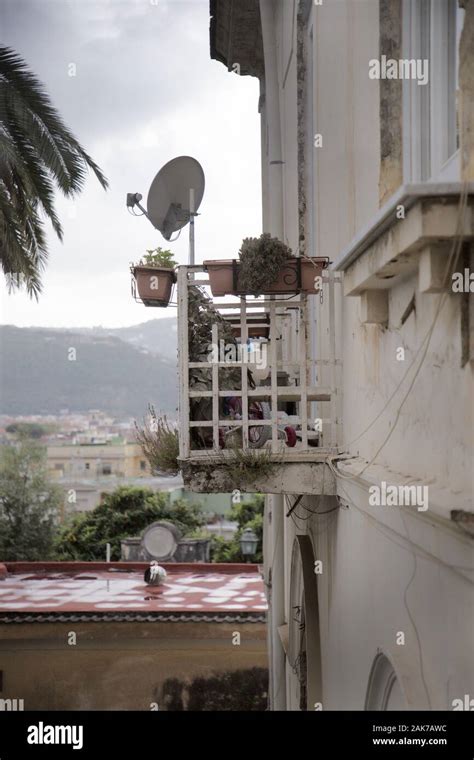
[124, 513]
[29, 503]
[29, 429]
[37, 154]
[247, 514]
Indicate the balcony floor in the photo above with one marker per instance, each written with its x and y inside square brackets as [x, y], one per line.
[310, 475]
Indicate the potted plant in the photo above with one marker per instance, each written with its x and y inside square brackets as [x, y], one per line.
[153, 277]
[266, 266]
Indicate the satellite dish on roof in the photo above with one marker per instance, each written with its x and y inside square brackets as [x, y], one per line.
[174, 198]
[160, 540]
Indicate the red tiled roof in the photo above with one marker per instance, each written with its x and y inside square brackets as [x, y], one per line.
[98, 588]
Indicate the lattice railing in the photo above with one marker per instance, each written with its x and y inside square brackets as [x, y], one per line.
[246, 375]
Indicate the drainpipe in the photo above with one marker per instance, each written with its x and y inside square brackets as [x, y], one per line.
[272, 147]
[277, 603]
[273, 223]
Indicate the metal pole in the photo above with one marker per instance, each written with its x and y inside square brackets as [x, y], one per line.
[191, 226]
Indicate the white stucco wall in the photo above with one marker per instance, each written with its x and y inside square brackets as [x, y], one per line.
[387, 570]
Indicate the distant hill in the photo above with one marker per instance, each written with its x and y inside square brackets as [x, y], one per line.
[111, 374]
[157, 335]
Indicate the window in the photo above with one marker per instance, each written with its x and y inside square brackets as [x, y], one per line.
[304, 651]
[87, 466]
[106, 469]
[431, 32]
[384, 691]
[142, 465]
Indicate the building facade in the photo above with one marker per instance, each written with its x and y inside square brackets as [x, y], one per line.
[94, 460]
[367, 113]
[95, 636]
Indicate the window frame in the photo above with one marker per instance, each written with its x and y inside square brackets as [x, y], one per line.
[430, 150]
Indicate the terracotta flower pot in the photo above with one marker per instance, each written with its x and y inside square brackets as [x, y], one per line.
[154, 284]
[296, 276]
[221, 275]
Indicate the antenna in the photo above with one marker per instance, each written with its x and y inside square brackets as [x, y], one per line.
[174, 198]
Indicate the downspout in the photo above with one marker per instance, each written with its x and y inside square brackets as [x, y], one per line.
[273, 223]
[273, 147]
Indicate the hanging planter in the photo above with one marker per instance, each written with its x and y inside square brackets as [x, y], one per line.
[153, 278]
[266, 267]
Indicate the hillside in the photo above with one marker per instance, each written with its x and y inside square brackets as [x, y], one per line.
[158, 336]
[36, 375]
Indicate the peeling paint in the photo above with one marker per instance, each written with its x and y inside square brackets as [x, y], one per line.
[391, 152]
[466, 86]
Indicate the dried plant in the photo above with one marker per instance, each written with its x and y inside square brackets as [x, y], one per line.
[261, 260]
[248, 465]
[159, 442]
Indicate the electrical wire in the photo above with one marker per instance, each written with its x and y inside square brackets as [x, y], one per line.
[385, 530]
[412, 620]
[133, 212]
[173, 240]
[412, 547]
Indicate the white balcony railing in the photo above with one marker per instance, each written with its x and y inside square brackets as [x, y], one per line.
[246, 376]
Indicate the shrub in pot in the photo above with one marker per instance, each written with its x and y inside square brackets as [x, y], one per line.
[154, 277]
[266, 266]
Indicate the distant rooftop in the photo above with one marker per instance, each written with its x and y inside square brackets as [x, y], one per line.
[99, 591]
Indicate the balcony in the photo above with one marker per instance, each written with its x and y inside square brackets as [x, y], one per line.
[256, 412]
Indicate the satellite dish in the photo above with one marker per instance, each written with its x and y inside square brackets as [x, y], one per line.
[160, 540]
[175, 195]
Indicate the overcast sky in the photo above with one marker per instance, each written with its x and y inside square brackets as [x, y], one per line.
[145, 91]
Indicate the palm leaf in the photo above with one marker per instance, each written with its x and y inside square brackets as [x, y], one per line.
[38, 154]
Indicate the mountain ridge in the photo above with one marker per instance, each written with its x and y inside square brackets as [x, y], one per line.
[44, 370]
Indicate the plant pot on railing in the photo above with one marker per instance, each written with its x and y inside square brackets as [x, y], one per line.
[266, 267]
[297, 275]
[153, 278]
[153, 284]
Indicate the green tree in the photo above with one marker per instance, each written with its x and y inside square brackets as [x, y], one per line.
[29, 503]
[247, 514]
[38, 154]
[29, 429]
[122, 514]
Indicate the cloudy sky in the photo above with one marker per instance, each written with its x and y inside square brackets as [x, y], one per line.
[145, 91]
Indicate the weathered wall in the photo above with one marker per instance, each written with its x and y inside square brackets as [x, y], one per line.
[372, 588]
[466, 86]
[391, 155]
[386, 570]
[117, 666]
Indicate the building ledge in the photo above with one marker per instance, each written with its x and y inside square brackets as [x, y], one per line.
[367, 258]
[412, 236]
[304, 477]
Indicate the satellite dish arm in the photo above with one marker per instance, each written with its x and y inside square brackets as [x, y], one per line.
[133, 199]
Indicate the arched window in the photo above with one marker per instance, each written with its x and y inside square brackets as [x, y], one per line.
[304, 652]
[384, 691]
